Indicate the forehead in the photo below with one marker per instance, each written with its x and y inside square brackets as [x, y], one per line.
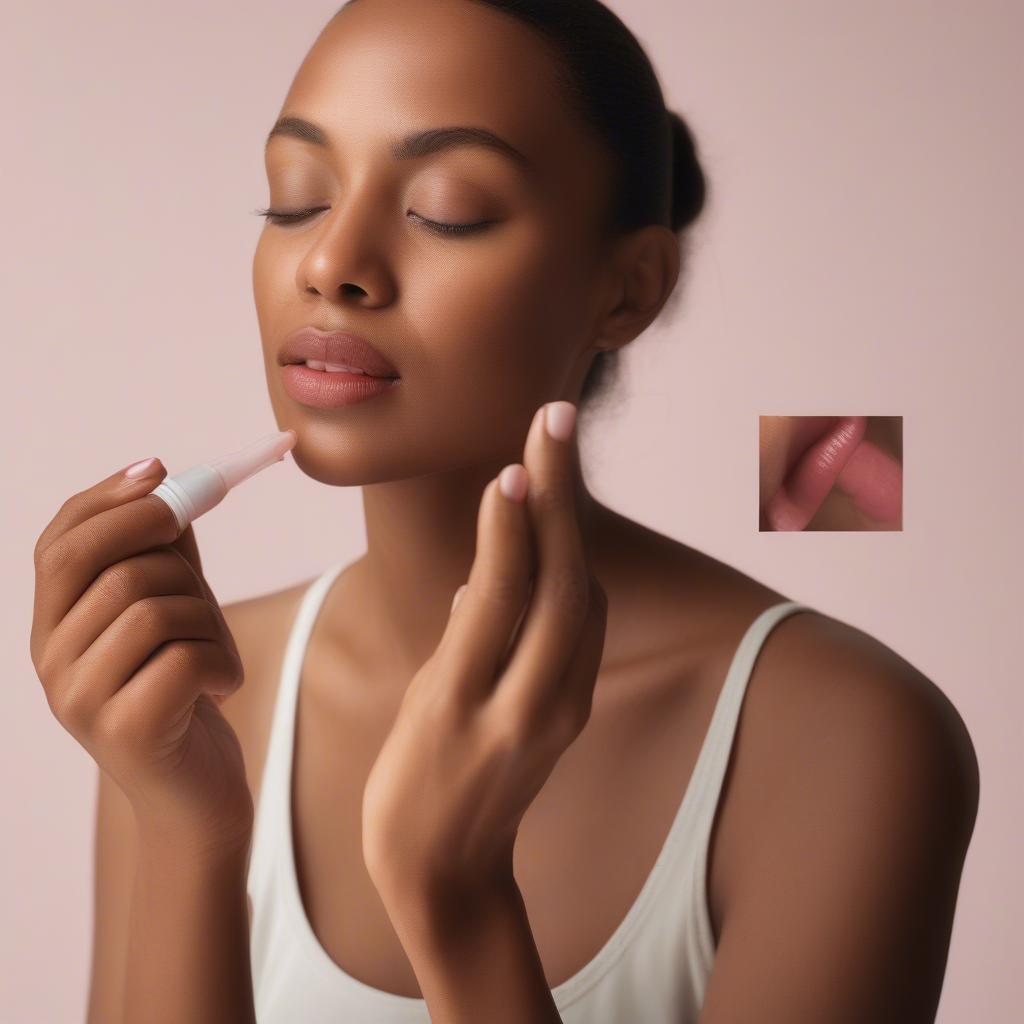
[383, 68]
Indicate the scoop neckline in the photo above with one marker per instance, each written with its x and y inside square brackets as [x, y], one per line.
[577, 984]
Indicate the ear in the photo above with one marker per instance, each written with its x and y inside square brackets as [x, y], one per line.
[820, 449]
[644, 270]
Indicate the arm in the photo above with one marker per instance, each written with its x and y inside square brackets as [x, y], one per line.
[474, 956]
[114, 865]
[116, 862]
[842, 909]
[188, 950]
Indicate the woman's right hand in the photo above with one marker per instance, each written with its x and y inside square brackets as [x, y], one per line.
[135, 656]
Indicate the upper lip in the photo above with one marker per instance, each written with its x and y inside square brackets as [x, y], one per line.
[334, 347]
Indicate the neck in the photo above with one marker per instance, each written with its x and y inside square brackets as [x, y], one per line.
[421, 541]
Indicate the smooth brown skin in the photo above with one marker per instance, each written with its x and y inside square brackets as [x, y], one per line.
[479, 730]
[135, 658]
[783, 439]
[852, 792]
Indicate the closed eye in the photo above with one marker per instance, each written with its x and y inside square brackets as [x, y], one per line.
[283, 218]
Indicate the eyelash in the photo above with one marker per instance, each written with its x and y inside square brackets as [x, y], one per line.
[284, 219]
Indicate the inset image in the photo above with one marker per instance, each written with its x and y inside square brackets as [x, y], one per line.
[830, 473]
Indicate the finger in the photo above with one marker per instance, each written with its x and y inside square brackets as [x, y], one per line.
[117, 522]
[554, 621]
[577, 686]
[477, 636]
[114, 490]
[513, 637]
[151, 574]
[112, 663]
[163, 691]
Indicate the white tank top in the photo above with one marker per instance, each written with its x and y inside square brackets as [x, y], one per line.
[653, 968]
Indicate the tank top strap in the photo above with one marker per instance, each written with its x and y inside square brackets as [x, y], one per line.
[718, 741]
[270, 821]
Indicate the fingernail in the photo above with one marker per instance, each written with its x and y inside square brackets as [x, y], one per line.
[512, 481]
[141, 469]
[560, 417]
[458, 596]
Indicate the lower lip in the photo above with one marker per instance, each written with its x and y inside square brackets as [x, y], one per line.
[326, 389]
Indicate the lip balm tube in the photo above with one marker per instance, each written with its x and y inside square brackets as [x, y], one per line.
[193, 492]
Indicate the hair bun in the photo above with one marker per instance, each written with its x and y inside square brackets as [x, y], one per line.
[689, 186]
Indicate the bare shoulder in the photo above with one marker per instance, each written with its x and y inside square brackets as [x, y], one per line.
[846, 702]
[854, 796]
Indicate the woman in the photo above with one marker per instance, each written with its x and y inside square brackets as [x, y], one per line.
[581, 704]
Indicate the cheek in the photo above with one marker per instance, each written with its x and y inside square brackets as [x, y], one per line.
[500, 308]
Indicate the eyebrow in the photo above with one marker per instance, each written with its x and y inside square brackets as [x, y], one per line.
[418, 144]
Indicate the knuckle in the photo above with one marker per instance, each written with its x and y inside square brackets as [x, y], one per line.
[72, 705]
[112, 729]
[150, 616]
[122, 581]
[163, 563]
[43, 541]
[56, 557]
[46, 668]
[181, 656]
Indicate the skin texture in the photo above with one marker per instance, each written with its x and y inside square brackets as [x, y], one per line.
[862, 865]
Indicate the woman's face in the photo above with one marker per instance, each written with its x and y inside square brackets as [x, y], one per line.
[482, 327]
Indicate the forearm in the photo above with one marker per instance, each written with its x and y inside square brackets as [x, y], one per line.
[188, 954]
[476, 959]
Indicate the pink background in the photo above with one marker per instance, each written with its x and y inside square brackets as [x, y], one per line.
[861, 253]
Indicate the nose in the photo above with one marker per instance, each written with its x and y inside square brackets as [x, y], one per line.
[346, 257]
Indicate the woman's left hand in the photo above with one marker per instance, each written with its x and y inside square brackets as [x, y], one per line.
[483, 722]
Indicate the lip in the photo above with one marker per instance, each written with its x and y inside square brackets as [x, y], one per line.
[335, 347]
[815, 473]
[323, 389]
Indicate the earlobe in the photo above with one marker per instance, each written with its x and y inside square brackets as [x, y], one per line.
[813, 475]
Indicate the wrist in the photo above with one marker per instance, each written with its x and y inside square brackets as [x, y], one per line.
[438, 910]
[198, 849]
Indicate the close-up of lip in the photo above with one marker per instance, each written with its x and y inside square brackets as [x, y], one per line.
[331, 368]
[841, 457]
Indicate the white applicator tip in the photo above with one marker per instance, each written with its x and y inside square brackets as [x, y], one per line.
[195, 491]
[248, 461]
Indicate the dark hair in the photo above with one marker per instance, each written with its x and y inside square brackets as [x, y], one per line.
[612, 85]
